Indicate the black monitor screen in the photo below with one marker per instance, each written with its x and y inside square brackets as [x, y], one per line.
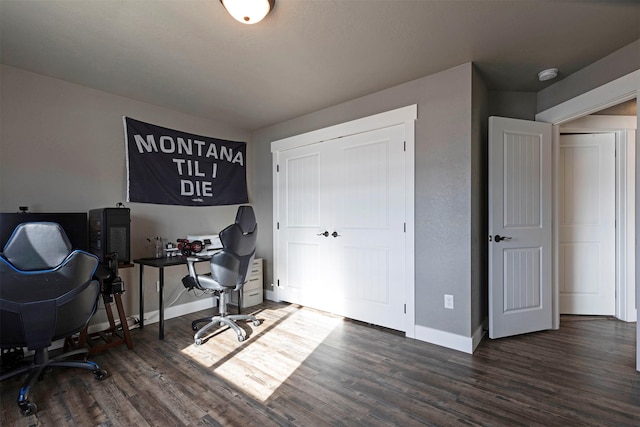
[73, 224]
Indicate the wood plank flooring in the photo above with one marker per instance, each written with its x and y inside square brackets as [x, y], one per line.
[302, 367]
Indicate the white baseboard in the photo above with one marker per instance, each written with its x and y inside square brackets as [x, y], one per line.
[449, 340]
[179, 310]
[433, 336]
[270, 295]
[479, 333]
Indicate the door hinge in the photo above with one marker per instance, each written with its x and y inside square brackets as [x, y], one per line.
[277, 225]
[278, 284]
[404, 148]
[405, 227]
[277, 168]
[405, 309]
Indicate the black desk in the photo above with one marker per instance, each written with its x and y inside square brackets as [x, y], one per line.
[159, 263]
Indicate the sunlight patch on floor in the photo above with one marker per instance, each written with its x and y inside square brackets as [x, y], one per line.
[275, 350]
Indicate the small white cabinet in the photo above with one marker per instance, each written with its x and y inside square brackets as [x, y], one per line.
[252, 292]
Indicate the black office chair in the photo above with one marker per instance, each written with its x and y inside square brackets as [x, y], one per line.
[46, 294]
[230, 269]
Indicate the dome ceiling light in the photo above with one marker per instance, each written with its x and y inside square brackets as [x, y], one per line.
[248, 11]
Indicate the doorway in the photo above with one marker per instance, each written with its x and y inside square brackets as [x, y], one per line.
[596, 275]
[615, 92]
[586, 228]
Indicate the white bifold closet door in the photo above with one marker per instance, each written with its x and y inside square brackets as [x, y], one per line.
[341, 226]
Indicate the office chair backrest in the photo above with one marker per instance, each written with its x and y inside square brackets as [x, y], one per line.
[37, 246]
[239, 242]
[225, 269]
[246, 218]
[242, 246]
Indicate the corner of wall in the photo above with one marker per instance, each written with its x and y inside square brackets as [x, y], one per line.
[615, 65]
[479, 197]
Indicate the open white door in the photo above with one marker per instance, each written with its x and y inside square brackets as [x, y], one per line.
[520, 219]
[586, 224]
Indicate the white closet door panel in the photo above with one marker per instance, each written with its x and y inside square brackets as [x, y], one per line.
[303, 191]
[302, 252]
[369, 192]
[303, 281]
[364, 184]
[352, 188]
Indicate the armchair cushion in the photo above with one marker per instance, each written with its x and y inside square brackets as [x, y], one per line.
[38, 246]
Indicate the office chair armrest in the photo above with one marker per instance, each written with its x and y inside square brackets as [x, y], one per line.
[191, 266]
[190, 281]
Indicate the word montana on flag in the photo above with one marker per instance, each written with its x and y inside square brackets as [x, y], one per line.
[169, 167]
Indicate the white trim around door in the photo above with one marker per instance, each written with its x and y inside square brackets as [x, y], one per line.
[624, 128]
[609, 94]
[402, 116]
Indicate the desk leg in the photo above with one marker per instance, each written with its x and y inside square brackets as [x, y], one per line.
[141, 297]
[161, 303]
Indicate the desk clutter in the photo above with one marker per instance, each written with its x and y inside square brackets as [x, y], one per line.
[192, 245]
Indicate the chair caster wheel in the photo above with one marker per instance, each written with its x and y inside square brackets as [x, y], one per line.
[240, 338]
[198, 341]
[256, 323]
[27, 408]
[100, 374]
[194, 327]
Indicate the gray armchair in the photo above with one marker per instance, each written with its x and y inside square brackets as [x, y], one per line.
[46, 294]
[230, 269]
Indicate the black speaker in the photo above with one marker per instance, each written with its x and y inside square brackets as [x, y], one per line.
[110, 231]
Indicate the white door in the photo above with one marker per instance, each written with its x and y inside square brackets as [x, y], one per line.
[341, 240]
[368, 216]
[302, 248]
[520, 241]
[586, 185]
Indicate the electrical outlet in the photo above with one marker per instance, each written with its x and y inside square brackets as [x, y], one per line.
[448, 301]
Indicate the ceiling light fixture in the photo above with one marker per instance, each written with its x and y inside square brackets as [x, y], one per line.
[548, 74]
[248, 11]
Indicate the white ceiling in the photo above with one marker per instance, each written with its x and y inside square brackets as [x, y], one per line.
[191, 56]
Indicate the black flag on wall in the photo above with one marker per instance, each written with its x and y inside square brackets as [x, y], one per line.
[170, 167]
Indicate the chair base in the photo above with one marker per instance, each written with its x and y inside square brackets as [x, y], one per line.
[195, 323]
[228, 320]
[36, 370]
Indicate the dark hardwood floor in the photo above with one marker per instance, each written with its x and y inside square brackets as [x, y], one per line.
[302, 367]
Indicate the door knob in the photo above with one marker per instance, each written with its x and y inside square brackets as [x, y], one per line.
[500, 238]
[325, 234]
[335, 234]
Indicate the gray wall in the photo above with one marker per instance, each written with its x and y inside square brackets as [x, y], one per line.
[479, 203]
[619, 63]
[516, 105]
[448, 169]
[62, 150]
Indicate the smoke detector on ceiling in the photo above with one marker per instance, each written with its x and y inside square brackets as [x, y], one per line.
[548, 74]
